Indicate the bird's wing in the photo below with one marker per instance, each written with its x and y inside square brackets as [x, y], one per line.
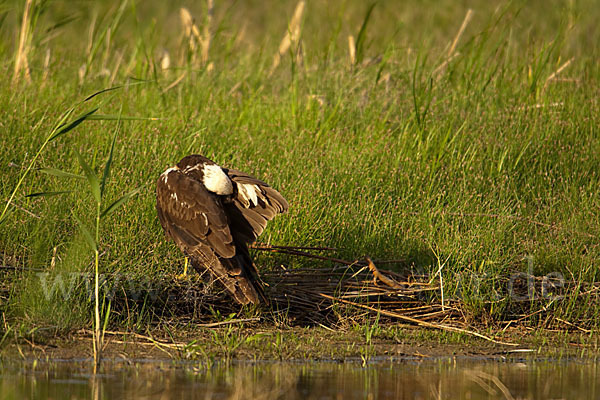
[193, 217]
[254, 203]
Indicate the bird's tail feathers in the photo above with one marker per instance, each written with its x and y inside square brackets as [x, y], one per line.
[243, 284]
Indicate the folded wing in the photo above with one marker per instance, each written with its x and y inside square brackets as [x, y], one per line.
[254, 203]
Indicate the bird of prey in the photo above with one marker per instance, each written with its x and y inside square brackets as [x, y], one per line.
[212, 213]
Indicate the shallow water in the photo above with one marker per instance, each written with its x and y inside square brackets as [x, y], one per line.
[443, 378]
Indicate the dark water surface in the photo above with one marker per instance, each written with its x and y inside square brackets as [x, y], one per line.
[444, 378]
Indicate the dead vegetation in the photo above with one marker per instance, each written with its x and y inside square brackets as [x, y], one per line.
[346, 293]
[341, 295]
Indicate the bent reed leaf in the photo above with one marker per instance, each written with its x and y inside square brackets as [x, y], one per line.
[47, 194]
[59, 173]
[116, 117]
[73, 124]
[110, 89]
[91, 177]
[117, 203]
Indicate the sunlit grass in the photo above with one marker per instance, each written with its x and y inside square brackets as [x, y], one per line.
[485, 154]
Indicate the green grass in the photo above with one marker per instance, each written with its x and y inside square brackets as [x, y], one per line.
[475, 160]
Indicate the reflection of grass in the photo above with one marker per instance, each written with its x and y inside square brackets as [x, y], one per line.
[441, 378]
[484, 152]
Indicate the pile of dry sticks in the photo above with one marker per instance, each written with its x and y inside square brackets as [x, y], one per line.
[334, 296]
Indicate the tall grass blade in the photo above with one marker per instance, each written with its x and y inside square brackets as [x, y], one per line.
[73, 124]
[59, 173]
[47, 194]
[117, 203]
[116, 117]
[110, 89]
[362, 34]
[65, 21]
[106, 318]
[91, 177]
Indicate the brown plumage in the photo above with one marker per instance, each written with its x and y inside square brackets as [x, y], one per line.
[212, 214]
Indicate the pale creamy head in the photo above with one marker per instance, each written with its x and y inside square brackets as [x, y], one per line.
[216, 181]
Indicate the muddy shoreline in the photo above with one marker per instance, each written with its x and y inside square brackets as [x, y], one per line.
[265, 343]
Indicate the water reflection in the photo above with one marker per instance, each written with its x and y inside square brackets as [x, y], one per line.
[439, 379]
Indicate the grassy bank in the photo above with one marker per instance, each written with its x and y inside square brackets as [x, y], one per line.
[463, 145]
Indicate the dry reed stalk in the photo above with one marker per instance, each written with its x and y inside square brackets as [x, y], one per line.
[479, 377]
[320, 296]
[81, 74]
[191, 34]
[558, 71]
[452, 53]
[465, 22]
[419, 322]
[352, 49]
[241, 35]
[386, 78]
[46, 67]
[21, 62]
[234, 88]
[292, 35]
[113, 75]
[107, 53]
[299, 293]
[53, 259]
[291, 251]
[175, 82]
[260, 245]
[83, 70]
[573, 325]
[205, 40]
[445, 63]
[195, 40]
[151, 341]
[90, 43]
[26, 211]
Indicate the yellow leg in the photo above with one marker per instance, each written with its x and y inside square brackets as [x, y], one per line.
[185, 268]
